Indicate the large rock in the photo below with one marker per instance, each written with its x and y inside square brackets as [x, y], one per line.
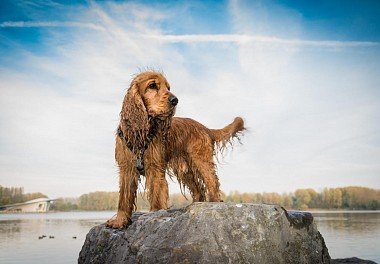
[210, 233]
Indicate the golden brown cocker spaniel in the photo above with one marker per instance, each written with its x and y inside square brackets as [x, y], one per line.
[150, 142]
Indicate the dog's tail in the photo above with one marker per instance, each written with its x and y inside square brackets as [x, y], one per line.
[224, 136]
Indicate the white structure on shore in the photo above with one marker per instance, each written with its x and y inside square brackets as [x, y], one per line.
[40, 205]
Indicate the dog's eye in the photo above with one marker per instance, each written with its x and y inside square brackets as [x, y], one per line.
[152, 85]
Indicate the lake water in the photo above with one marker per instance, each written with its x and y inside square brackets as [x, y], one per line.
[346, 235]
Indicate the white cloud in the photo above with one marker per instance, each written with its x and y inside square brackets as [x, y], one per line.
[193, 38]
[244, 38]
[59, 115]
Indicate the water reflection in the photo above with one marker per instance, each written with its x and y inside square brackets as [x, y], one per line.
[10, 229]
[351, 234]
[45, 238]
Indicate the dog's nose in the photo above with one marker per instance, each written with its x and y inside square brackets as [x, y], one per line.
[173, 100]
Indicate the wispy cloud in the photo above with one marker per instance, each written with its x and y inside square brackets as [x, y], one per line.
[197, 38]
[22, 24]
[244, 38]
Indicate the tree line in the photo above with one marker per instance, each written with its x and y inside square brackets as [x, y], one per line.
[12, 195]
[350, 198]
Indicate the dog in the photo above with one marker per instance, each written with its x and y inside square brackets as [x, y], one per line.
[151, 142]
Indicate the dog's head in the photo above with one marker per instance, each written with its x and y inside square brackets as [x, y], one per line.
[148, 98]
[150, 93]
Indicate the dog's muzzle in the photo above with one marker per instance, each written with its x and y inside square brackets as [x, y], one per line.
[173, 100]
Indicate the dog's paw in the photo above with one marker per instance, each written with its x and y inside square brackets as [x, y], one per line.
[118, 223]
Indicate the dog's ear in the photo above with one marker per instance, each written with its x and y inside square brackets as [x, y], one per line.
[134, 121]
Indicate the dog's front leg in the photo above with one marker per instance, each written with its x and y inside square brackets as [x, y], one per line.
[127, 198]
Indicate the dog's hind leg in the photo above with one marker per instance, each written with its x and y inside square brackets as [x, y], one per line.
[195, 185]
[207, 172]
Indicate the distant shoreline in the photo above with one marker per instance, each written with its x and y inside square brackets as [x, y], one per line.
[341, 199]
[339, 211]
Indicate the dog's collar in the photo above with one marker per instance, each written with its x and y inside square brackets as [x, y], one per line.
[139, 153]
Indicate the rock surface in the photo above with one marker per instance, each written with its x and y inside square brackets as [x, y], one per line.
[210, 233]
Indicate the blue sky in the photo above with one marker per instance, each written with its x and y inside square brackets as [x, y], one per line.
[304, 75]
